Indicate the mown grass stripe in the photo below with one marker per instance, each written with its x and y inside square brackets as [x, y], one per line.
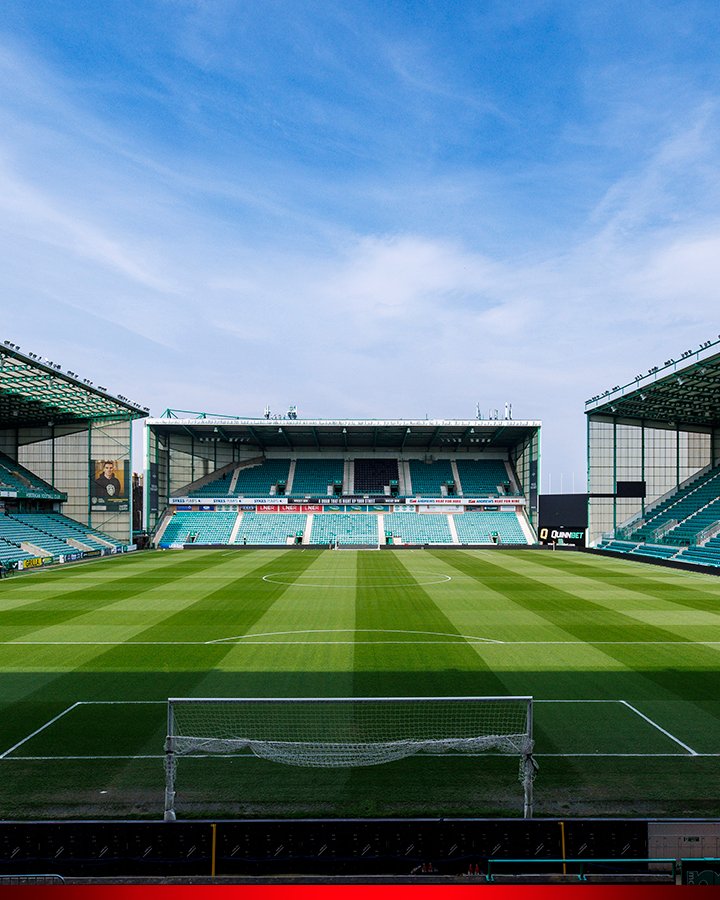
[411, 670]
[586, 619]
[24, 620]
[317, 601]
[634, 577]
[699, 678]
[138, 672]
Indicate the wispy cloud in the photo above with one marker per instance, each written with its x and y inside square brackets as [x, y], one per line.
[281, 206]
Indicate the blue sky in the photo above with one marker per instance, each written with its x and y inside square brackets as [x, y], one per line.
[364, 208]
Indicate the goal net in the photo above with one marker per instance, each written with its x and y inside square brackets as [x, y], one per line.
[347, 732]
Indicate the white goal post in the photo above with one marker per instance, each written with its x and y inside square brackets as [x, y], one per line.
[335, 732]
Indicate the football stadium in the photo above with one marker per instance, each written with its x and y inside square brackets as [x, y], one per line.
[349, 647]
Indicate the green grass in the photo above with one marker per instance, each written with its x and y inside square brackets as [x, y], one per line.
[81, 643]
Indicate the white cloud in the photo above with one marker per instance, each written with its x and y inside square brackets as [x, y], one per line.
[184, 283]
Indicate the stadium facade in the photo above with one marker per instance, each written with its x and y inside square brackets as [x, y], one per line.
[295, 472]
[65, 462]
[653, 452]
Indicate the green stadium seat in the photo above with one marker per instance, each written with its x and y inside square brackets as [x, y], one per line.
[313, 477]
[270, 528]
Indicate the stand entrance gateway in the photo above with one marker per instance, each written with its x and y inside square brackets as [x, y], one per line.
[333, 732]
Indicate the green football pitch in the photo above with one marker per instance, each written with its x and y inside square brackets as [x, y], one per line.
[621, 658]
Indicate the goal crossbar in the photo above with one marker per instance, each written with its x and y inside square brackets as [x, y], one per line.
[331, 732]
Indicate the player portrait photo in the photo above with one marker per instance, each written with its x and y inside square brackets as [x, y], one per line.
[109, 483]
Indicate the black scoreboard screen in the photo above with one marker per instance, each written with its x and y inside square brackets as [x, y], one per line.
[563, 510]
[626, 489]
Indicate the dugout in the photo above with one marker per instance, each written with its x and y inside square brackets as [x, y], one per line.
[65, 430]
[646, 438]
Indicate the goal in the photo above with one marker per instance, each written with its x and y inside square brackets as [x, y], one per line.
[334, 732]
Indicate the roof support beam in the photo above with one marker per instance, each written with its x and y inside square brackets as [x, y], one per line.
[256, 437]
[284, 433]
[433, 436]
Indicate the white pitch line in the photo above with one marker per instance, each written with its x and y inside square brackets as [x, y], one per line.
[5, 755]
[38, 730]
[457, 638]
[438, 755]
[66, 758]
[247, 639]
[631, 755]
[104, 643]
[576, 701]
[118, 702]
[660, 728]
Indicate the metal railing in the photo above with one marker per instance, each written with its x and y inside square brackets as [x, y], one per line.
[702, 537]
[666, 527]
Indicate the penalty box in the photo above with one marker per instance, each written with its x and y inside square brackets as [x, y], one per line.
[118, 729]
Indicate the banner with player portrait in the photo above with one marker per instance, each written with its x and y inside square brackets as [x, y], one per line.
[109, 487]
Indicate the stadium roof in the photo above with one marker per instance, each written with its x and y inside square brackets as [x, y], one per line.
[680, 392]
[391, 435]
[35, 391]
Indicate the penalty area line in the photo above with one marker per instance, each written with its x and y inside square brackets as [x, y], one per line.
[660, 728]
[251, 756]
[38, 730]
[5, 754]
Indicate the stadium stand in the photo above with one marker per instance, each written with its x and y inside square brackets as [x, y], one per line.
[678, 526]
[346, 528]
[188, 527]
[372, 476]
[16, 530]
[10, 552]
[14, 477]
[656, 551]
[261, 480]
[428, 478]
[483, 478]
[219, 487]
[617, 546]
[276, 528]
[477, 527]
[686, 533]
[416, 528]
[66, 529]
[674, 509]
[707, 554]
[316, 477]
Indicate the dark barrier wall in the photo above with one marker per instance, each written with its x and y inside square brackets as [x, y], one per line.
[316, 846]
